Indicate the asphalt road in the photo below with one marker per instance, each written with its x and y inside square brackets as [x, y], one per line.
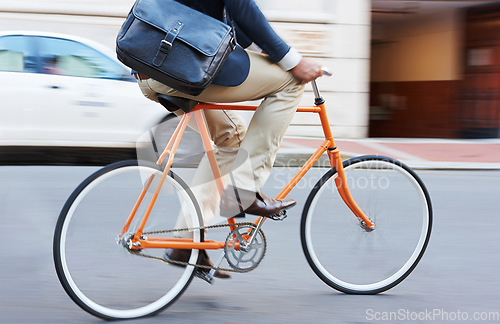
[457, 277]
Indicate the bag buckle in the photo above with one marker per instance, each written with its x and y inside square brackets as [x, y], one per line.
[167, 43]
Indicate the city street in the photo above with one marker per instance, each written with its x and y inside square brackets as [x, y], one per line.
[456, 280]
[457, 277]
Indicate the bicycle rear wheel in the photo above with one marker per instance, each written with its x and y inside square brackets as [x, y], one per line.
[97, 271]
[341, 252]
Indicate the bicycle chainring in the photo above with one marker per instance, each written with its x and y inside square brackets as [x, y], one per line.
[242, 255]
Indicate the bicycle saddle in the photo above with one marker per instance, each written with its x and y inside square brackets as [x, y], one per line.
[174, 103]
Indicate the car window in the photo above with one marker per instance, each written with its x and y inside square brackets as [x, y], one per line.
[17, 54]
[68, 57]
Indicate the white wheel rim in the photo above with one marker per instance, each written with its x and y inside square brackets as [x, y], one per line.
[163, 300]
[404, 268]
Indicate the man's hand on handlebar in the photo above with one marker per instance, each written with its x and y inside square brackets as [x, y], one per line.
[307, 70]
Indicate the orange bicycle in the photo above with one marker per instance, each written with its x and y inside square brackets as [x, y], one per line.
[364, 227]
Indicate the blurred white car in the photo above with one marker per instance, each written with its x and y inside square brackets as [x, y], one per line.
[64, 91]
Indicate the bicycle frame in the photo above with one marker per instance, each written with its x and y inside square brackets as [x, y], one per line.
[328, 145]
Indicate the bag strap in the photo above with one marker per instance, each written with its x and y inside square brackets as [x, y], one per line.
[166, 43]
[229, 20]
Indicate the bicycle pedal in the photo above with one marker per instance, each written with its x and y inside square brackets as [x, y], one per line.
[204, 275]
[279, 216]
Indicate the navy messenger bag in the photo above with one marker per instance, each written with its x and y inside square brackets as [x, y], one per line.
[174, 44]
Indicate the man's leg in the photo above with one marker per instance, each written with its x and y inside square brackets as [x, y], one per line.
[227, 131]
[282, 93]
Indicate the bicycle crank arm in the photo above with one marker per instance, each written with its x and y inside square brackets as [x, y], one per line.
[216, 265]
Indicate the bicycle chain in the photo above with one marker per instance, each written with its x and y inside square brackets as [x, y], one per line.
[139, 252]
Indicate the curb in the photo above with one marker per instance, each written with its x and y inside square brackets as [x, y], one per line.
[296, 159]
[417, 153]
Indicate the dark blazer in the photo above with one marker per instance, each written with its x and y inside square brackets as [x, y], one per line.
[251, 26]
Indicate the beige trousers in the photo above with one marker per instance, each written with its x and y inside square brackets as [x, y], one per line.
[248, 154]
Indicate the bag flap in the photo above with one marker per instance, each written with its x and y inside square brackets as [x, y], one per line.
[163, 14]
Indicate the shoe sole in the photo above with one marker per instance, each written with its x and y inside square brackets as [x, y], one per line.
[243, 214]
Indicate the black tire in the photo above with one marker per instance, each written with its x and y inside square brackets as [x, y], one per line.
[341, 252]
[78, 241]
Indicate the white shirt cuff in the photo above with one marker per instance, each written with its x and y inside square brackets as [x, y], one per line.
[290, 60]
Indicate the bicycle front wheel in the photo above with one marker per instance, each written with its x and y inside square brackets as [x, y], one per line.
[96, 270]
[343, 254]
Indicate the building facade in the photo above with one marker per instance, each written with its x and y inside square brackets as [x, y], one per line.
[400, 68]
[434, 69]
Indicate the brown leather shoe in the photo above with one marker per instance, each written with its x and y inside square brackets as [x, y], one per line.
[183, 256]
[235, 202]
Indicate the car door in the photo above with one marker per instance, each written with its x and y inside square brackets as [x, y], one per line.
[18, 85]
[79, 109]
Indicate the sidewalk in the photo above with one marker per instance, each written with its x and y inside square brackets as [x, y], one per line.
[481, 154]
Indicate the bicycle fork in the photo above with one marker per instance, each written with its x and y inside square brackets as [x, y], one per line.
[341, 184]
[336, 162]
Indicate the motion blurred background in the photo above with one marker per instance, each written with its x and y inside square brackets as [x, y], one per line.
[427, 69]
[407, 69]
